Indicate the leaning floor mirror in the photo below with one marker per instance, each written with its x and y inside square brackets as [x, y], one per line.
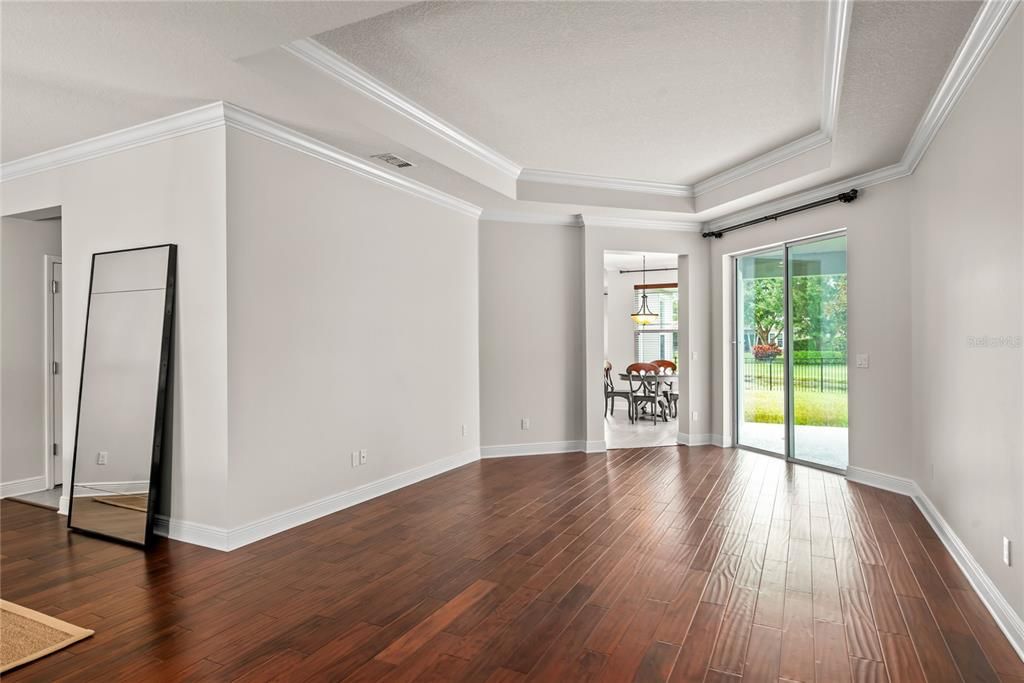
[123, 407]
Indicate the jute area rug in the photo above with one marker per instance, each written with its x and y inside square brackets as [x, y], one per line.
[27, 635]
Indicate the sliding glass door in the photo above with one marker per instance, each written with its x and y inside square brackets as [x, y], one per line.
[761, 367]
[791, 351]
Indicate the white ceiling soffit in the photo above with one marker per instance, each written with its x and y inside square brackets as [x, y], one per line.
[588, 219]
[982, 35]
[786, 162]
[225, 114]
[473, 158]
[634, 260]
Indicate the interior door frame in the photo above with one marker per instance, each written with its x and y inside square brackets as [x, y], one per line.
[787, 411]
[51, 357]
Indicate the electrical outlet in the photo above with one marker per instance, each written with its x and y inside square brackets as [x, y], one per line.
[355, 458]
[1006, 551]
[693, 355]
[101, 458]
[524, 424]
[362, 456]
[863, 360]
[463, 430]
[696, 417]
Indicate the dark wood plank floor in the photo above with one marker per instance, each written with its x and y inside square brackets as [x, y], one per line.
[651, 564]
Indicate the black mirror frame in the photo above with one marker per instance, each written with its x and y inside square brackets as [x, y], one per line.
[164, 411]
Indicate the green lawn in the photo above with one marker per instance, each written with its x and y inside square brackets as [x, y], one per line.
[812, 408]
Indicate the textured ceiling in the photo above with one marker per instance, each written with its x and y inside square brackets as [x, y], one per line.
[669, 91]
[79, 69]
[600, 86]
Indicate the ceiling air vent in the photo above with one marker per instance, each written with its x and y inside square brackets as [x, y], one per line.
[392, 159]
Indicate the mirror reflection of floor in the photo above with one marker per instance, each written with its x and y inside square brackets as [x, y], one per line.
[49, 498]
[619, 433]
[112, 520]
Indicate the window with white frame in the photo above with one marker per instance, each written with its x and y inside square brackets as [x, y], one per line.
[660, 339]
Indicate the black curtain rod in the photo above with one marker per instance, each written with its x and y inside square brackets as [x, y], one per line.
[844, 197]
[649, 270]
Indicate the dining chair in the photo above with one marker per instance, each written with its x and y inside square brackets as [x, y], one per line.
[667, 367]
[645, 390]
[611, 393]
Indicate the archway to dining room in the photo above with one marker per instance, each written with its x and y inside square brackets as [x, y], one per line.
[641, 337]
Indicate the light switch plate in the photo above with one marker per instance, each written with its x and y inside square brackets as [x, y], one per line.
[1006, 551]
[863, 360]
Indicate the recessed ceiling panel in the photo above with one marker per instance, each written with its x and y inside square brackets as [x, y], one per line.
[665, 91]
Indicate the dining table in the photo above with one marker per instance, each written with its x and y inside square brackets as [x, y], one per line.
[669, 381]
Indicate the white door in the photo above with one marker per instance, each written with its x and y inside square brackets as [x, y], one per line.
[56, 373]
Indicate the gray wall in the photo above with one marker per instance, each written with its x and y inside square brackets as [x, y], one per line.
[352, 323]
[878, 244]
[531, 333]
[167, 191]
[967, 246]
[23, 245]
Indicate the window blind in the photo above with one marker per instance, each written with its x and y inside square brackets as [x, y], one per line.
[659, 340]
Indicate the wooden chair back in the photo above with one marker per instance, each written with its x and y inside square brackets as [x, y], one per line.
[640, 376]
[665, 367]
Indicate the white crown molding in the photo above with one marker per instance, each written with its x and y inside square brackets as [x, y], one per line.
[224, 114]
[232, 539]
[182, 123]
[837, 35]
[981, 36]
[567, 220]
[837, 32]
[19, 487]
[1009, 622]
[861, 181]
[642, 223]
[537, 175]
[542, 448]
[259, 126]
[329, 62]
[760, 163]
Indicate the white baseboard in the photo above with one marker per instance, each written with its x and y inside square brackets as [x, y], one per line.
[102, 488]
[1008, 620]
[720, 441]
[595, 447]
[19, 487]
[1011, 623]
[880, 480]
[62, 506]
[694, 439]
[231, 539]
[541, 448]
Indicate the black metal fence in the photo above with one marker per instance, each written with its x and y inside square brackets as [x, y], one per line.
[818, 375]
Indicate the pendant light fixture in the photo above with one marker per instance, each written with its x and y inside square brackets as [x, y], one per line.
[644, 316]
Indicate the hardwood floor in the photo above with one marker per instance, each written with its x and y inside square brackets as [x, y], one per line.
[651, 564]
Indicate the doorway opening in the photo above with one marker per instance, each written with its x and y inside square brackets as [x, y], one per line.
[641, 367]
[790, 340]
[32, 381]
